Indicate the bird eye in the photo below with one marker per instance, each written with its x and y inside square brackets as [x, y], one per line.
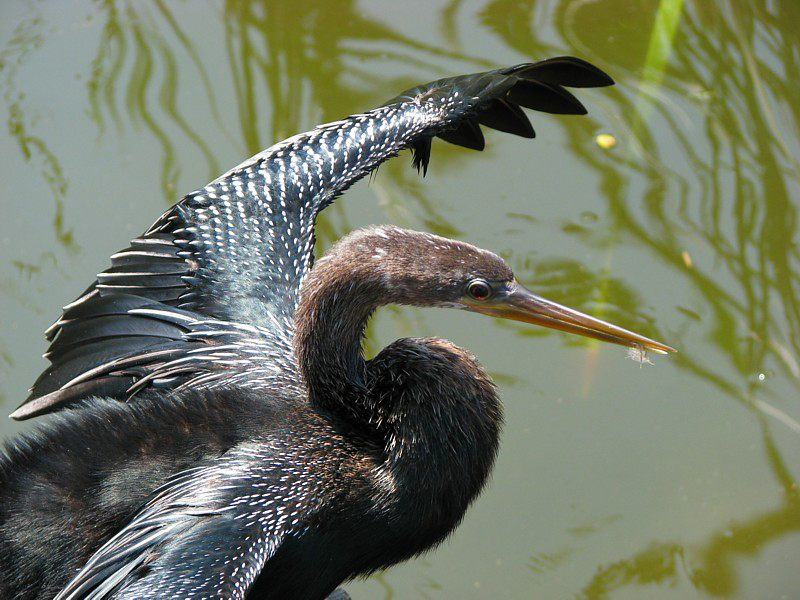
[478, 289]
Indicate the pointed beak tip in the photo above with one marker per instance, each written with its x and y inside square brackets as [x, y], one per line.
[664, 349]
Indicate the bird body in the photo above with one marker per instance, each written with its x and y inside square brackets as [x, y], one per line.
[217, 429]
[267, 472]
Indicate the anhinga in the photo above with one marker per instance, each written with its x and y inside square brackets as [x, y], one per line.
[217, 430]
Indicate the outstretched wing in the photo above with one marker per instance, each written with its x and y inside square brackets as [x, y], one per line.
[237, 250]
[115, 345]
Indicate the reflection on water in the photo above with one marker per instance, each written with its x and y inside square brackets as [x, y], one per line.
[689, 234]
[735, 200]
[23, 40]
[711, 566]
[136, 60]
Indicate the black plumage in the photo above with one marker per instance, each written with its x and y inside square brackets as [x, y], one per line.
[258, 454]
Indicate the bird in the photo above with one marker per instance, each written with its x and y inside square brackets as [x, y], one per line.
[213, 427]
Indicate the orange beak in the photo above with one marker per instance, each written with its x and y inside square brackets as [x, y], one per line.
[520, 304]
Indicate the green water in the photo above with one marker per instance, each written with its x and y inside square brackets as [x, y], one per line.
[674, 480]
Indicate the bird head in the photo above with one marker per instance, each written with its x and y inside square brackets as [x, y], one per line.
[423, 269]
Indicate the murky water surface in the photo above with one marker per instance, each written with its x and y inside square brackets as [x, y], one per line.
[672, 480]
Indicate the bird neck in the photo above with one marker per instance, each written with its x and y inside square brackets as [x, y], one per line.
[330, 320]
